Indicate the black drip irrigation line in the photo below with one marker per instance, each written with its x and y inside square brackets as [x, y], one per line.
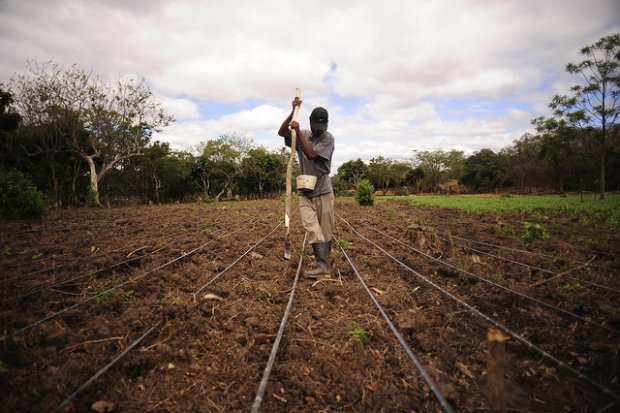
[496, 285]
[123, 235]
[523, 264]
[118, 264]
[108, 291]
[106, 368]
[540, 254]
[62, 264]
[33, 262]
[429, 381]
[553, 231]
[235, 261]
[92, 273]
[529, 345]
[276, 344]
[580, 280]
[593, 284]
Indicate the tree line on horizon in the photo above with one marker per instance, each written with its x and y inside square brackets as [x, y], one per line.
[81, 142]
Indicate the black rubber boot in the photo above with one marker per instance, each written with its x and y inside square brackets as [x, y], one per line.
[321, 252]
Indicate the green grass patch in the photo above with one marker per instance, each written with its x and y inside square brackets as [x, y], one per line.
[589, 209]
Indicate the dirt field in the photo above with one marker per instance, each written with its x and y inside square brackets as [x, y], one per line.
[209, 285]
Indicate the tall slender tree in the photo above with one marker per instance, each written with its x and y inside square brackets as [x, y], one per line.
[593, 106]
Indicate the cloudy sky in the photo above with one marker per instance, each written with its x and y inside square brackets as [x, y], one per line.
[396, 76]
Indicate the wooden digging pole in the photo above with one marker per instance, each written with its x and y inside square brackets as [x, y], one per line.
[289, 185]
[495, 370]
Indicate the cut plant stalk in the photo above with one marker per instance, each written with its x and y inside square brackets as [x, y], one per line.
[289, 173]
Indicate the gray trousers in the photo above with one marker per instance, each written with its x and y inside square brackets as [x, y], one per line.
[317, 217]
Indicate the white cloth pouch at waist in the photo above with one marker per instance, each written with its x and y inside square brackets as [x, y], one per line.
[306, 182]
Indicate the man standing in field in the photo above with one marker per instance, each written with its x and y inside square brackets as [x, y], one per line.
[314, 149]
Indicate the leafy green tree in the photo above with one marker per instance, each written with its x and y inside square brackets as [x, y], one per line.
[220, 163]
[379, 173]
[438, 165]
[594, 106]
[102, 125]
[415, 177]
[523, 163]
[263, 170]
[400, 173]
[9, 122]
[484, 170]
[352, 171]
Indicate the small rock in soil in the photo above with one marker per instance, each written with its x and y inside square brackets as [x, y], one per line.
[103, 406]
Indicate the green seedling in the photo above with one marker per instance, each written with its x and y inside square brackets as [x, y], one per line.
[36, 256]
[352, 329]
[421, 222]
[264, 295]
[4, 369]
[566, 290]
[344, 243]
[39, 338]
[532, 233]
[244, 286]
[126, 295]
[6, 250]
[176, 299]
[102, 297]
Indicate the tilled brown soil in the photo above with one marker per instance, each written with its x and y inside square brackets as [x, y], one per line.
[210, 286]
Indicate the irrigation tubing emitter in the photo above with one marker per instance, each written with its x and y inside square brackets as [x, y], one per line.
[528, 344]
[235, 261]
[276, 344]
[440, 398]
[509, 290]
[106, 368]
[108, 291]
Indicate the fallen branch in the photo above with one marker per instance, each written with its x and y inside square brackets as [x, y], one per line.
[562, 274]
[101, 340]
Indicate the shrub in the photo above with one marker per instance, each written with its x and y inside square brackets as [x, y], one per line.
[365, 193]
[532, 233]
[91, 197]
[19, 197]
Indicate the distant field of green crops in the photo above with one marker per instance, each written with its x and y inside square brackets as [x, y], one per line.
[606, 211]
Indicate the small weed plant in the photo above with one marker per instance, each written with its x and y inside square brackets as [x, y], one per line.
[364, 193]
[421, 222]
[91, 197]
[390, 212]
[532, 233]
[352, 329]
[565, 291]
[264, 295]
[4, 369]
[344, 243]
